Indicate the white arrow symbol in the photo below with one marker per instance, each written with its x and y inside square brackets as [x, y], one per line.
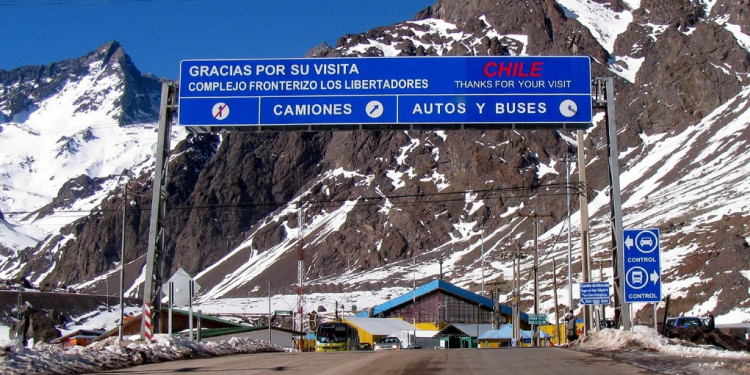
[629, 242]
[654, 277]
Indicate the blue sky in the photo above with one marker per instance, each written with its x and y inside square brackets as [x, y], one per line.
[157, 34]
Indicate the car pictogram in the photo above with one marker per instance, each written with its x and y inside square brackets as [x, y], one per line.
[646, 241]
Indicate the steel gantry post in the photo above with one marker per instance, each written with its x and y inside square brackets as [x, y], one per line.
[155, 251]
[605, 97]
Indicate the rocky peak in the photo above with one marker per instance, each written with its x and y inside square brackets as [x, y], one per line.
[110, 51]
[26, 87]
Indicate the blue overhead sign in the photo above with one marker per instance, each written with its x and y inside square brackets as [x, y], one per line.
[595, 293]
[642, 265]
[386, 90]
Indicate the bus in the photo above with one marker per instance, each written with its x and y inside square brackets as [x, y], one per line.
[336, 337]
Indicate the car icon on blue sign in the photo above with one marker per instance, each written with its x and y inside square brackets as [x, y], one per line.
[646, 241]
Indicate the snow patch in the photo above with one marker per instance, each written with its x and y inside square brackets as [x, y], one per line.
[107, 355]
[742, 39]
[644, 338]
[603, 23]
[544, 169]
[625, 66]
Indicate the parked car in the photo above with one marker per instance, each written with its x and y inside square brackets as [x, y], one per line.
[388, 343]
[678, 324]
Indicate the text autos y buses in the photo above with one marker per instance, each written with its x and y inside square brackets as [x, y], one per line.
[336, 337]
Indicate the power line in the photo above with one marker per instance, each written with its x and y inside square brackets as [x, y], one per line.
[515, 192]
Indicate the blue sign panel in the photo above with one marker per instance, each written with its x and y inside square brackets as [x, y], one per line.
[642, 265]
[386, 90]
[595, 293]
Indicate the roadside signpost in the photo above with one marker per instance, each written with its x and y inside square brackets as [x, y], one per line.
[594, 293]
[181, 289]
[278, 93]
[642, 265]
[538, 319]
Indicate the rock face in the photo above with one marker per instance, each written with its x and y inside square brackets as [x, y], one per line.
[38, 325]
[374, 201]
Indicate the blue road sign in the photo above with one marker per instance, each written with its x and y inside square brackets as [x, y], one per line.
[386, 90]
[642, 265]
[594, 293]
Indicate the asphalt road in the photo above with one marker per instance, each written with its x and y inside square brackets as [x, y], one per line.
[526, 361]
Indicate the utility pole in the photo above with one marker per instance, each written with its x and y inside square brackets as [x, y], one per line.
[601, 279]
[414, 293]
[566, 159]
[269, 311]
[554, 300]
[482, 249]
[573, 42]
[516, 295]
[584, 209]
[300, 269]
[536, 217]
[496, 302]
[122, 265]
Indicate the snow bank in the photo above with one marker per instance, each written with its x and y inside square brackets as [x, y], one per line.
[644, 338]
[107, 355]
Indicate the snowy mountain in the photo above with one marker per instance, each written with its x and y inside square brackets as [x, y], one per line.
[70, 130]
[382, 209]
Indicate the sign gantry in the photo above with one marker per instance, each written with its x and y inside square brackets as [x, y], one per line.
[383, 93]
[386, 92]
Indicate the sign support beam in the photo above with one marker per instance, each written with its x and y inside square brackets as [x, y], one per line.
[155, 251]
[622, 309]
